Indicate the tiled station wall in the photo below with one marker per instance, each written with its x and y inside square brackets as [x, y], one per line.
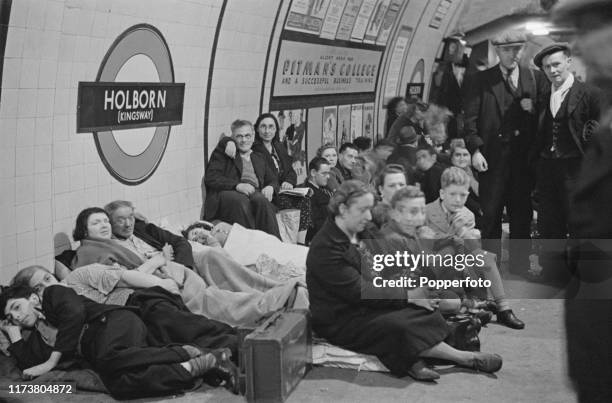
[48, 172]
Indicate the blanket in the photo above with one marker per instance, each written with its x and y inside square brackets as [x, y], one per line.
[84, 378]
[283, 253]
[221, 289]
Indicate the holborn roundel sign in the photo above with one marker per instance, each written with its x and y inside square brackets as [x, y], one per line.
[106, 105]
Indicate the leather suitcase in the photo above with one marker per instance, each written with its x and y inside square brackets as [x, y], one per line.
[276, 356]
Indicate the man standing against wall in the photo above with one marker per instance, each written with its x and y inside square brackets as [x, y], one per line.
[500, 126]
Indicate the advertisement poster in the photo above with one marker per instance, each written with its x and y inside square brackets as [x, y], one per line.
[330, 124]
[315, 69]
[388, 21]
[332, 19]
[293, 134]
[307, 16]
[348, 19]
[344, 124]
[368, 120]
[356, 121]
[361, 23]
[376, 21]
[441, 11]
[397, 57]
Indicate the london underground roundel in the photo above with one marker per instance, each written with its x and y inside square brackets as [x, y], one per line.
[105, 105]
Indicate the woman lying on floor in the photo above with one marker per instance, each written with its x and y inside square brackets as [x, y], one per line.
[132, 358]
[349, 311]
[240, 301]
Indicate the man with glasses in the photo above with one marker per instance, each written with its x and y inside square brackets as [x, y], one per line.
[240, 190]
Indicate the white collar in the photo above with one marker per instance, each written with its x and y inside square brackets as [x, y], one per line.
[567, 84]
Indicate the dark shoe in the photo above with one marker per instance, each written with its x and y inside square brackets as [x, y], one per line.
[486, 362]
[421, 372]
[507, 318]
[225, 371]
[484, 317]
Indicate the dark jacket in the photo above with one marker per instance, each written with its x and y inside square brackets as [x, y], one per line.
[583, 105]
[68, 313]
[484, 112]
[224, 173]
[448, 93]
[430, 181]
[157, 238]
[405, 156]
[285, 173]
[335, 282]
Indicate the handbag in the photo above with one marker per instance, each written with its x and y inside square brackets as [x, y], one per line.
[464, 330]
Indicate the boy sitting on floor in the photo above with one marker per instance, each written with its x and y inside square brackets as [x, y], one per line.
[449, 218]
[406, 219]
[113, 339]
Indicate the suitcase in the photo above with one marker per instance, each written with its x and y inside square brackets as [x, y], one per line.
[276, 356]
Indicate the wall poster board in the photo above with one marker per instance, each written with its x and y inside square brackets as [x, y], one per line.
[344, 124]
[307, 16]
[293, 133]
[356, 121]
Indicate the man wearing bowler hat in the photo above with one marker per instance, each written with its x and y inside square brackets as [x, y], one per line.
[567, 117]
[500, 126]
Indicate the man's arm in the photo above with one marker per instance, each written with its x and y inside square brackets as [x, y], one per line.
[473, 102]
[183, 253]
[215, 177]
[31, 352]
[66, 311]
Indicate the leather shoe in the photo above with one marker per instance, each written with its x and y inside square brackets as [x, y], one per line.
[507, 318]
[484, 317]
[421, 372]
[486, 362]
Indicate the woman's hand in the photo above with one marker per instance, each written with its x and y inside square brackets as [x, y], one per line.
[12, 331]
[286, 186]
[268, 192]
[230, 149]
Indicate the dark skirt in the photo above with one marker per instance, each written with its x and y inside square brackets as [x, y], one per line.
[285, 201]
[396, 337]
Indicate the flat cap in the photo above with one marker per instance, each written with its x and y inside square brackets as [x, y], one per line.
[510, 38]
[549, 50]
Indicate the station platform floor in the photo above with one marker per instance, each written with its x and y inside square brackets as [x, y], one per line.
[534, 369]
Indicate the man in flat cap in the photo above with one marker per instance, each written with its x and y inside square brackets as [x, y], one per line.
[500, 125]
[568, 114]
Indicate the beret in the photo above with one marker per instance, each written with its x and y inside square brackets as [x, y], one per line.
[510, 38]
[549, 50]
